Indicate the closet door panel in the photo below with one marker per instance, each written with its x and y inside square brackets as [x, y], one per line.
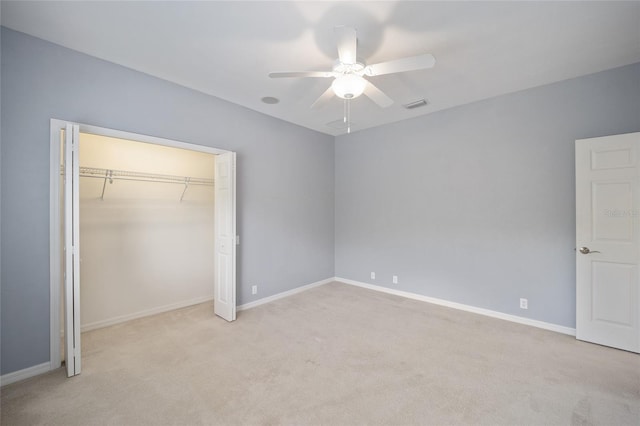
[71, 250]
[225, 235]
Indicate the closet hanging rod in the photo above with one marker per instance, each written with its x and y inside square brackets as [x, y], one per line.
[146, 180]
[111, 174]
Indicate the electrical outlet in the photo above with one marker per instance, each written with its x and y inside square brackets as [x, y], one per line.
[524, 304]
[373, 275]
[395, 279]
[254, 289]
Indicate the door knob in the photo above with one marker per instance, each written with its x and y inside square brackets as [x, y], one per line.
[585, 250]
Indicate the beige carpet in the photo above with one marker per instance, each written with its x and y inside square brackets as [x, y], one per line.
[333, 355]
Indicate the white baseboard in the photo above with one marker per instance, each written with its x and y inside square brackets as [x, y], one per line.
[284, 294]
[141, 314]
[25, 373]
[460, 306]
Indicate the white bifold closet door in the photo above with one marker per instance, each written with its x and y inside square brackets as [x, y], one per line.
[225, 235]
[71, 209]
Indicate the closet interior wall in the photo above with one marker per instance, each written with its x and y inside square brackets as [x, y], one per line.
[147, 243]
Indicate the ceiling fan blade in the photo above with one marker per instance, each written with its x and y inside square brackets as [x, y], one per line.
[319, 74]
[401, 65]
[347, 44]
[323, 99]
[377, 95]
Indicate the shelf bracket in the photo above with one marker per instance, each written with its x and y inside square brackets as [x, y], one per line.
[107, 176]
[186, 186]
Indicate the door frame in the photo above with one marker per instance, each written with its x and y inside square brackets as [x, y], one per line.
[55, 237]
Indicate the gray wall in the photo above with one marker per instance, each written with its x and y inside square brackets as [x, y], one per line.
[285, 177]
[476, 204]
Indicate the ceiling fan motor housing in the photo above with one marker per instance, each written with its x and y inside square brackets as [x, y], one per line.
[342, 68]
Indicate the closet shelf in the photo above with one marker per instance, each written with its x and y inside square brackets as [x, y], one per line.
[109, 175]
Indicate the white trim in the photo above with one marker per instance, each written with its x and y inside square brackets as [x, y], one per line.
[25, 373]
[146, 313]
[284, 294]
[55, 271]
[460, 306]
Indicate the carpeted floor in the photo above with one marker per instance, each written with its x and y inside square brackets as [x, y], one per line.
[333, 355]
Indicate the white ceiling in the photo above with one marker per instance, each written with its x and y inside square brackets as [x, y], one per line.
[226, 49]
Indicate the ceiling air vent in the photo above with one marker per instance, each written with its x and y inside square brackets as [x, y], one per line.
[416, 104]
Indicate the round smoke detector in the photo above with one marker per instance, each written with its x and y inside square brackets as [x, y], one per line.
[270, 100]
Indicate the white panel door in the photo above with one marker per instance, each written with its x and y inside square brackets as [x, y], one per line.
[608, 241]
[72, 250]
[225, 236]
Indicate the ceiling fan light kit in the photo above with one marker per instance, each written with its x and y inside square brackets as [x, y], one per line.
[348, 86]
[349, 72]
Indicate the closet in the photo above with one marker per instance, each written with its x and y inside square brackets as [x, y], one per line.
[146, 229]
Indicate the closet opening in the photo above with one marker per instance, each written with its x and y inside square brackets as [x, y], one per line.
[146, 229]
[140, 226]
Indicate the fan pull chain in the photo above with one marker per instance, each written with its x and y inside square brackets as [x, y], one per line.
[347, 114]
[348, 102]
[345, 111]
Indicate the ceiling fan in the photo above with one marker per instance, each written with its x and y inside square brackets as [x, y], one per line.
[349, 73]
